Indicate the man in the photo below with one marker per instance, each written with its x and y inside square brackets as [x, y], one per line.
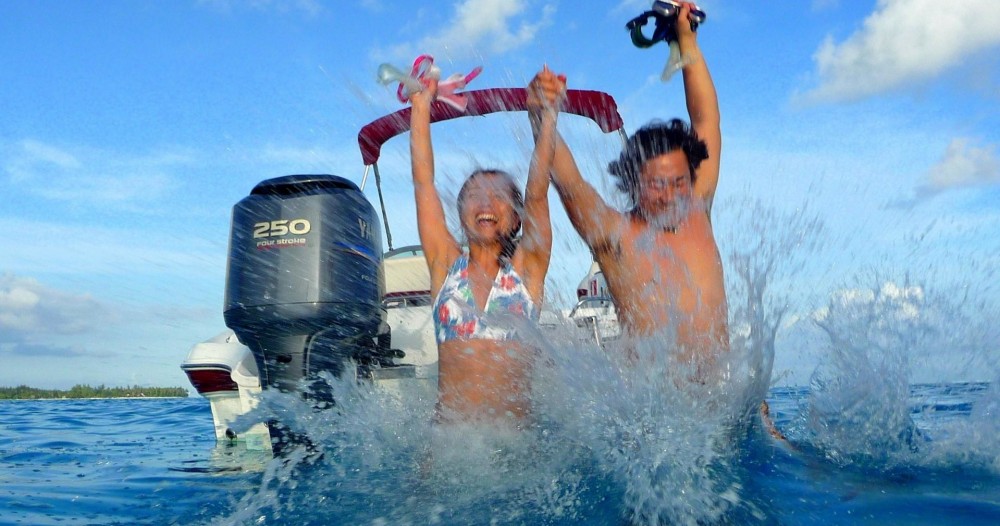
[660, 258]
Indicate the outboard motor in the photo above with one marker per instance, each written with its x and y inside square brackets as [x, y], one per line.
[304, 280]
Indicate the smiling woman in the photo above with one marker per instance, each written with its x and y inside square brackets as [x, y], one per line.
[483, 294]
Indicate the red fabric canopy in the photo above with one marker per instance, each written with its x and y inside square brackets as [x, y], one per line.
[598, 106]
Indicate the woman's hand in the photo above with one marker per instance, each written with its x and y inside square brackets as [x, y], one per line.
[426, 96]
[546, 91]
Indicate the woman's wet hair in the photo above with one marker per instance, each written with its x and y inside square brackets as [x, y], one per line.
[650, 141]
[508, 243]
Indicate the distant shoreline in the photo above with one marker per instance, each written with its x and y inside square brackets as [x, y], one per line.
[66, 398]
[87, 392]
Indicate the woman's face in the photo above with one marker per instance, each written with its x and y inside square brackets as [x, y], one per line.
[487, 210]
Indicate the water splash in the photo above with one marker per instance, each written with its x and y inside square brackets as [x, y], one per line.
[765, 248]
[860, 410]
[374, 457]
[666, 442]
[621, 434]
[969, 440]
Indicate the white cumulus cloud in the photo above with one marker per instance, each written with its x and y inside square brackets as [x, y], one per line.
[29, 308]
[904, 42]
[477, 28]
[965, 165]
[888, 299]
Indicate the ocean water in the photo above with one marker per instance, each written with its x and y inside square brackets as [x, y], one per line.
[156, 462]
[617, 438]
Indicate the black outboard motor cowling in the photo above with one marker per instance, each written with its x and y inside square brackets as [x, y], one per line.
[304, 280]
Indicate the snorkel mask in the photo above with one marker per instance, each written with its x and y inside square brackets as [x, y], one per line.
[664, 13]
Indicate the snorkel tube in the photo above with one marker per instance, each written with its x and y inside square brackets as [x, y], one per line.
[664, 13]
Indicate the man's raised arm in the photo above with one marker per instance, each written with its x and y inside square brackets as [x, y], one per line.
[702, 105]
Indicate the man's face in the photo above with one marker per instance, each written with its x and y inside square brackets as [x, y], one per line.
[665, 188]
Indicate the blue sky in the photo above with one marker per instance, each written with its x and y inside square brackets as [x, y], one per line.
[128, 129]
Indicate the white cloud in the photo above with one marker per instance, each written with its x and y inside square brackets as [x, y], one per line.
[309, 7]
[638, 6]
[477, 28]
[46, 154]
[632, 5]
[903, 301]
[904, 42]
[100, 252]
[822, 5]
[29, 308]
[42, 352]
[92, 176]
[963, 166]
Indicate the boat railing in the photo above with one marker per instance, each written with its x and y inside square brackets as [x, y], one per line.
[596, 313]
[401, 300]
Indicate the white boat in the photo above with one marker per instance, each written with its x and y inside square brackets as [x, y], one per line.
[595, 311]
[308, 288]
[224, 371]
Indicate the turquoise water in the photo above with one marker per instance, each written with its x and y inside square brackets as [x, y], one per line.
[156, 462]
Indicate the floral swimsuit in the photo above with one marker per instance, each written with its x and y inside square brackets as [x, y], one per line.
[456, 315]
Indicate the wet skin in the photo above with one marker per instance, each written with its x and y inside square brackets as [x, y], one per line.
[668, 272]
[478, 378]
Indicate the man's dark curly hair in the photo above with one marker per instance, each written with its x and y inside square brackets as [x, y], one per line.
[652, 140]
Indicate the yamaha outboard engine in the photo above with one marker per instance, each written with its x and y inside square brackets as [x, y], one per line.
[304, 281]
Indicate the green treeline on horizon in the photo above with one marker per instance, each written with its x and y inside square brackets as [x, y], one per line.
[23, 392]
